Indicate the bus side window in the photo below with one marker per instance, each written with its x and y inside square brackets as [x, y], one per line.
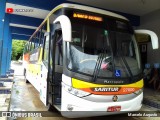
[37, 40]
[33, 42]
[46, 49]
[41, 37]
[25, 48]
[29, 46]
[32, 46]
[44, 42]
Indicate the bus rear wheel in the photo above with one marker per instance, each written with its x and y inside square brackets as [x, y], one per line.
[25, 78]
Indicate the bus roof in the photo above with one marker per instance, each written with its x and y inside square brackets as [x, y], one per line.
[92, 9]
[80, 7]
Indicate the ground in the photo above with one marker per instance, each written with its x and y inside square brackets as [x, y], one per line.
[26, 98]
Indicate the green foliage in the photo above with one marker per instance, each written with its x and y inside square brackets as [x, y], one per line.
[17, 49]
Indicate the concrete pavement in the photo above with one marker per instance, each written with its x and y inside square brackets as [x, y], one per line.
[26, 98]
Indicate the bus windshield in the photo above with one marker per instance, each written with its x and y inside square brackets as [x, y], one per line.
[99, 52]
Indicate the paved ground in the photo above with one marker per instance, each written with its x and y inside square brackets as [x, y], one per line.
[17, 66]
[26, 98]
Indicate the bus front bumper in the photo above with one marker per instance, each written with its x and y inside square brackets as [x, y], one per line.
[74, 107]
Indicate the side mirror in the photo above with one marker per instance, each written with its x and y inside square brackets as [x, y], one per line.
[66, 27]
[154, 38]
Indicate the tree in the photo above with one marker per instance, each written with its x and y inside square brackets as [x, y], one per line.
[17, 49]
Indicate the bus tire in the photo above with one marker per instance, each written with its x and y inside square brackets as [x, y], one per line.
[26, 81]
[52, 108]
[24, 72]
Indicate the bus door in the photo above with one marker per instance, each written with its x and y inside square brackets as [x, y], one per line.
[56, 67]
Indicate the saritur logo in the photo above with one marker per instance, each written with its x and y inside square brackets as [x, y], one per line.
[106, 89]
[11, 10]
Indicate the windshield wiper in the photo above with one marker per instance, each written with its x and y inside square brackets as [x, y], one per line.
[98, 66]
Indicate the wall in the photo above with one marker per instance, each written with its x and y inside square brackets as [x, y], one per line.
[151, 21]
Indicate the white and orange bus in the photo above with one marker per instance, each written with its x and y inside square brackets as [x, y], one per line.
[86, 59]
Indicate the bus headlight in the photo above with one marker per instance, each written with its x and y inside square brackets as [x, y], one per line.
[76, 92]
[138, 92]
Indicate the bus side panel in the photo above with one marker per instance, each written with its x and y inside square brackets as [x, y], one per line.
[43, 84]
[33, 75]
[33, 68]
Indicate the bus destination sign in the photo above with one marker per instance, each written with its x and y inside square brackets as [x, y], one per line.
[88, 17]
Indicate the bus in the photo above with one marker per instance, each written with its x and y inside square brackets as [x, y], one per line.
[82, 58]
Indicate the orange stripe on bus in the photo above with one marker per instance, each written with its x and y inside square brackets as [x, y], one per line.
[120, 91]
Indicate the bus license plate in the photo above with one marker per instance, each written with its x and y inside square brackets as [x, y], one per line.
[114, 109]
